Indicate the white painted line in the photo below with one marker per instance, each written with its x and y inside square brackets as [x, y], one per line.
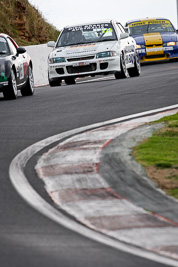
[23, 187]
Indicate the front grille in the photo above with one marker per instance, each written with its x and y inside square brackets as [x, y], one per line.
[103, 66]
[81, 69]
[155, 56]
[60, 70]
[80, 58]
[153, 45]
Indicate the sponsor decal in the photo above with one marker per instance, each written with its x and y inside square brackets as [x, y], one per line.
[3, 77]
[87, 27]
[81, 52]
[130, 58]
[140, 23]
[107, 30]
[158, 49]
[82, 45]
[104, 61]
[81, 64]
[154, 49]
[57, 66]
[140, 51]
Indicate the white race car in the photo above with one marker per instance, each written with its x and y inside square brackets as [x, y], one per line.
[92, 49]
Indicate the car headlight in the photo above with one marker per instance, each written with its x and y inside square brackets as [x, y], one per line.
[106, 54]
[57, 60]
[140, 46]
[170, 44]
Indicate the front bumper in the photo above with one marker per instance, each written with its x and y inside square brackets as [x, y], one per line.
[3, 84]
[157, 53]
[84, 68]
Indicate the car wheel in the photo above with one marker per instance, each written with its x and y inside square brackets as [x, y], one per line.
[29, 88]
[10, 92]
[70, 80]
[136, 70]
[123, 73]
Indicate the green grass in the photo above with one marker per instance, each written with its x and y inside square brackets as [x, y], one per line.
[170, 119]
[158, 150]
[161, 150]
[173, 192]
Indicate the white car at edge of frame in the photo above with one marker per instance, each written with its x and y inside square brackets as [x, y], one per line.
[91, 49]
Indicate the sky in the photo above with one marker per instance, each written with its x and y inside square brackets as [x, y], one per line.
[61, 13]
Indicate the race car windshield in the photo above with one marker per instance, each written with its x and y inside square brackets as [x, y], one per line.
[91, 33]
[3, 47]
[140, 28]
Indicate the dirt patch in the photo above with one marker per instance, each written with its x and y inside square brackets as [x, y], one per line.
[165, 178]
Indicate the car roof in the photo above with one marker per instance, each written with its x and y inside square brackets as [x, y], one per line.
[145, 19]
[92, 22]
[5, 36]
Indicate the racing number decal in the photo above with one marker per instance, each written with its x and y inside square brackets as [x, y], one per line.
[130, 58]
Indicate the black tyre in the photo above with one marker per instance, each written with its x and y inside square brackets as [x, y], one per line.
[136, 70]
[10, 92]
[70, 81]
[54, 83]
[123, 73]
[29, 87]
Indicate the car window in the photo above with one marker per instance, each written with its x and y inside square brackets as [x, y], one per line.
[121, 27]
[12, 47]
[120, 30]
[4, 50]
[84, 34]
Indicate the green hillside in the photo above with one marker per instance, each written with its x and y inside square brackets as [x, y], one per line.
[24, 23]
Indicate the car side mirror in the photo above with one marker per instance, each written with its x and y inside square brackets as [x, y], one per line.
[51, 44]
[124, 35]
[177, 31]
[126, 29]
[20, 50]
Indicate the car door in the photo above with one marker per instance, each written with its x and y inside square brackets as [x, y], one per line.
[128, 47]
[18, 60]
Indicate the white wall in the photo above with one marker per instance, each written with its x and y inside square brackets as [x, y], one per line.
[39, 56]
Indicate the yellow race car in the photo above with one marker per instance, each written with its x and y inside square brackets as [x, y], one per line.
[156, 38]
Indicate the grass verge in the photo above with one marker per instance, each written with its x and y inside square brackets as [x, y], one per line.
[159, 155]
[25, 23]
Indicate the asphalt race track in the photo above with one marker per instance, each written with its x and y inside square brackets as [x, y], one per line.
[29, 239]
